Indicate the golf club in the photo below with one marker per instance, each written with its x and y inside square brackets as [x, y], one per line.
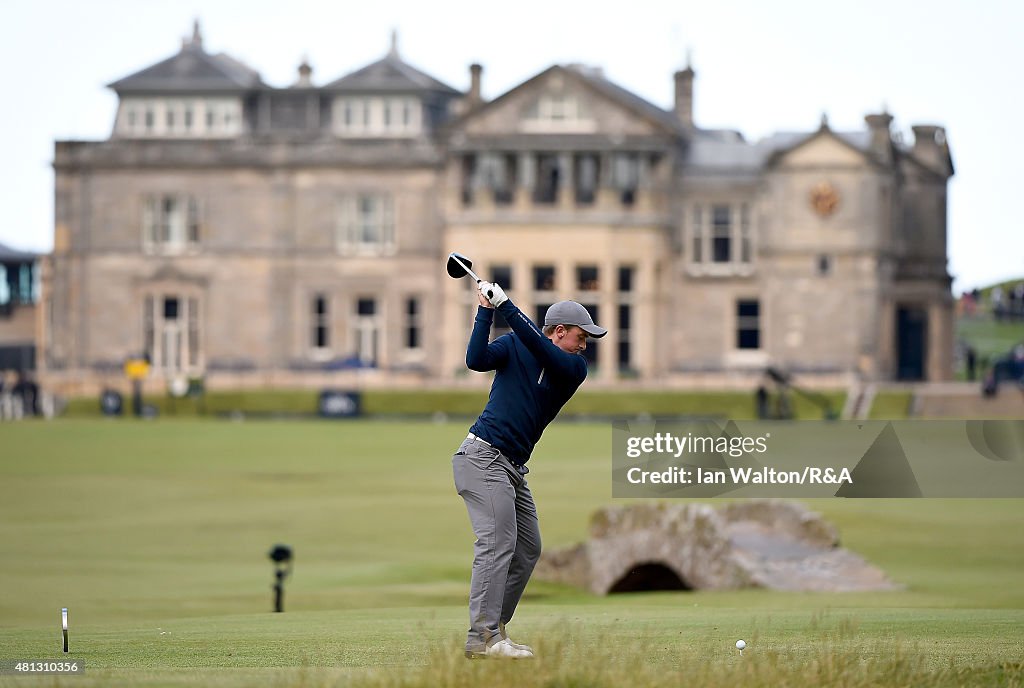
[64, 625]
[460, 266]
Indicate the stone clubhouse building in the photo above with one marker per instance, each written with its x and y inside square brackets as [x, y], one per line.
[296, 236]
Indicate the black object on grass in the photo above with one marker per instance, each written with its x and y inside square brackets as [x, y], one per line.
[281, 555]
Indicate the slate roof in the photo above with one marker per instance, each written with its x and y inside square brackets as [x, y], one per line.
[194, 70]
[390, 74]
[12, 255]
[596, 78]
[728, 150]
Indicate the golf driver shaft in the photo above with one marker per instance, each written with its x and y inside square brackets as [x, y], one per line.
[471, 274]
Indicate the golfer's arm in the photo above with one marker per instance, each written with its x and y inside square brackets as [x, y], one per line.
[551, 357]
[481, 356]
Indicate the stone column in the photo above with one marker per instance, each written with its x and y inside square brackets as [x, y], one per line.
[522, 281]
[644, 185]
[483, 195]
[526, 179]
[940, 337]
[607, 197]
[644, 319]
[886, 357]
[454, 172]
[566, 182]
[608, 358]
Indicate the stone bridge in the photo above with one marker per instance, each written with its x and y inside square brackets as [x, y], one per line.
[772, 544]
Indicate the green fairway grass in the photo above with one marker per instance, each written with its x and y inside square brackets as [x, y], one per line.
[155, 536]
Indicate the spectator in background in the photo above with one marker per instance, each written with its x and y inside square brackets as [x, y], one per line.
[996, 296]
[971, 358]
[1018, 360]
[28, 390]
[967, 304]
[761, 402]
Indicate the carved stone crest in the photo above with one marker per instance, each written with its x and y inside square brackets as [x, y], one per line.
[824, 199]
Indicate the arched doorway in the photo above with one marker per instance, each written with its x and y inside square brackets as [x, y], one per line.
[647, 577]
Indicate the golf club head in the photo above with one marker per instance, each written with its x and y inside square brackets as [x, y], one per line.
[455, 269]
[461, 266]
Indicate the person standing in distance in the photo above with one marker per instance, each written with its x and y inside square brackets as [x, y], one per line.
[536, 372]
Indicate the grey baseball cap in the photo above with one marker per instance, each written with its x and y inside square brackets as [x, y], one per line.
[572, 313]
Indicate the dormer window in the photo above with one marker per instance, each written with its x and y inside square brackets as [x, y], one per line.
[178, 118]
[377, 116]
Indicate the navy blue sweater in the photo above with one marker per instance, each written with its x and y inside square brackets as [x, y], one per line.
[533, 379]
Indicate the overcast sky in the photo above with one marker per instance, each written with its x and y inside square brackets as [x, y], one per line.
[761, 67]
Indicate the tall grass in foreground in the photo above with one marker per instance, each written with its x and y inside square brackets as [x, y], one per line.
[833, 658]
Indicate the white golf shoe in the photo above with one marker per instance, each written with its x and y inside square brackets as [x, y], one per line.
[503, 649]
[504, 636]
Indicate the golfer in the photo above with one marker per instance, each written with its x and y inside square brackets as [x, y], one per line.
[535, 374]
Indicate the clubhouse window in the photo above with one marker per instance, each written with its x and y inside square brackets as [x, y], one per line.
[502, 274]
[586, 278]
[366, 224]
[625, 348]
[720, 235]
[413, 323]
[170, 223]
[320, 332]
[544, 278]
[748, 324]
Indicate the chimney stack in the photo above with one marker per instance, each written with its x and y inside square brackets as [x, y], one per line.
[475, 72]
[881, 137]
[930, 147]
[684, 97]
[305, 79]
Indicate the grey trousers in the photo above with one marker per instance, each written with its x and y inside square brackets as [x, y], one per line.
[507, 546]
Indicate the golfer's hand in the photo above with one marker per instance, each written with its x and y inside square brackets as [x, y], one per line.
[493, 292]
[483, 300]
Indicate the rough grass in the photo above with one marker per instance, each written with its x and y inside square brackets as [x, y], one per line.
[155, 535]
[615, 645]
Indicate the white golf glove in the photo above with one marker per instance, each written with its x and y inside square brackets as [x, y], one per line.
[493, 293]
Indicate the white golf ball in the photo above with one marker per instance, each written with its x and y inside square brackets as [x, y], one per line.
[740, 644]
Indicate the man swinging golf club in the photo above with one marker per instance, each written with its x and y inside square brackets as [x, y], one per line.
[535, 374]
